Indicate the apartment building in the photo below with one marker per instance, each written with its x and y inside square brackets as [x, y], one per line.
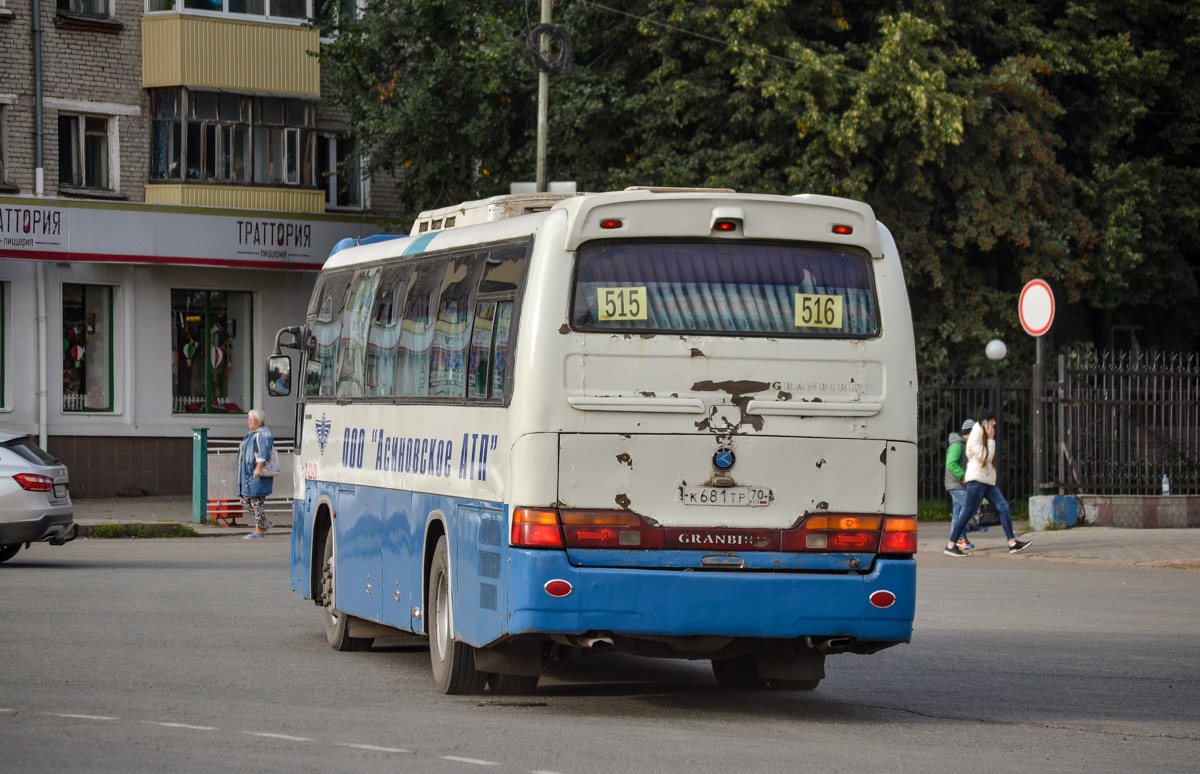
[170, 182]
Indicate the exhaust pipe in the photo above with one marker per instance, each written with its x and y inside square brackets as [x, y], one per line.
[66, 536]
[830, 645]
[595, 642]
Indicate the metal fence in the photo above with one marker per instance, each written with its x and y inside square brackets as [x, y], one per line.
[941, 408]
[1115, 423]
[1120, 420]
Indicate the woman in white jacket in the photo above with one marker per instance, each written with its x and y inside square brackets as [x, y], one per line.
[981, 482]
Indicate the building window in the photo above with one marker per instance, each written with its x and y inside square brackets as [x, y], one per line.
[97, 8]
[87, 315]
[331, 14]
[211, 364]
[340, 170]
[219, 137]
[83, 151]
[280, 9]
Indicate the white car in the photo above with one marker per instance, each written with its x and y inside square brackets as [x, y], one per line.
[35, 502]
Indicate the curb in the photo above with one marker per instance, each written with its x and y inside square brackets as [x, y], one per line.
[164, 529]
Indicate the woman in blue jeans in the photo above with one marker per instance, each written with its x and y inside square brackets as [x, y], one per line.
[981, 482]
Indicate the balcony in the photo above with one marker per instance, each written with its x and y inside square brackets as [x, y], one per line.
[229, 54]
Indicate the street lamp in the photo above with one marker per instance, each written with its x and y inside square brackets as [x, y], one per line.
[995, 352]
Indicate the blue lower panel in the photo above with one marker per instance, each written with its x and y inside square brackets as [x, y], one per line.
[746, 604]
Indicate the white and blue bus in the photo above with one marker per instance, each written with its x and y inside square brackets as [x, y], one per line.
[668, 422]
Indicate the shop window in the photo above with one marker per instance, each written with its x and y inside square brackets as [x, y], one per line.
[212, 357]
[220, 137]
[339, 169]
[83, 151]
[87, 315]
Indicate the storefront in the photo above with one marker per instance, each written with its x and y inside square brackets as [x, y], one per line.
[123, 326]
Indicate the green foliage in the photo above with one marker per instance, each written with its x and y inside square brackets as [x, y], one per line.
[139, 531]
[999, 141]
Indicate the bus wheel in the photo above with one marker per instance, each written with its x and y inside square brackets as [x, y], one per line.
[8, 552]
[453, 662]
[737, 673]
[335, 620]
[512, 685]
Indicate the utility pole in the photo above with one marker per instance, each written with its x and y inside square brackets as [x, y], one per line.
[543, 124]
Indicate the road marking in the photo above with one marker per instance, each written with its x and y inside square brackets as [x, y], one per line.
[188, 726]
[278, 736]
[537, 771]
[79, 717]
[6, 709]
[475, 761]
[373, 748]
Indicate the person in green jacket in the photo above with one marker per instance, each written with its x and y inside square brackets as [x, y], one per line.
[956, 469]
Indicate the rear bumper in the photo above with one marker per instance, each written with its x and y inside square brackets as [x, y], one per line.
[56, 525]
[638, 602]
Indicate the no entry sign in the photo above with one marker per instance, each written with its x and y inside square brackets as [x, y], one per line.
[1036, 307]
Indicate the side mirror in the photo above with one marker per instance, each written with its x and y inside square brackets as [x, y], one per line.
[279, 376]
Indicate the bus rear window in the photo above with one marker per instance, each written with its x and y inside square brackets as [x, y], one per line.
[725, 288]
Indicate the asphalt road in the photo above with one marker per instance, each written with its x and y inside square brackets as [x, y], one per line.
[194, 655]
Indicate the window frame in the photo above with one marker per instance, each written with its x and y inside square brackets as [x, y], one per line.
[330, 171]
[79, 141]
[516, 296]
[75, 7]
[179, 6]
[226, 148]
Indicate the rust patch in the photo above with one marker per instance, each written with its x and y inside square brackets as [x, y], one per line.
[697, 353]
[822, 506]
[883, 456]
[565, 329]
[821, 464]
[736, 389]
[645, 335]
[646, 393]
[702, 425]
[625, 459]
[783, 395]
[622, 501]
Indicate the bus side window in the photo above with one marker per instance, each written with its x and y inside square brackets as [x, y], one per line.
[504, 313]
[356, 323]
[416, 331]
[324, 335]
[481, 349]
[384, 337]
[447, 366]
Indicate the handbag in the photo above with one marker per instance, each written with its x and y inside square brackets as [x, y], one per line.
[986, 516]
[271, 469]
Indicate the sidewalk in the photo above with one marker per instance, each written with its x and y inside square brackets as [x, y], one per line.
[163, 512]
[1172, 548]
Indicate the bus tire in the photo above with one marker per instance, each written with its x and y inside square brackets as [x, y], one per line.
[8, 552]
[512, 685]
[453, 662]
[336, 620]
[739, 673]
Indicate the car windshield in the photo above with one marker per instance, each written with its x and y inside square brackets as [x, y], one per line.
[30, 451]
[725, 288]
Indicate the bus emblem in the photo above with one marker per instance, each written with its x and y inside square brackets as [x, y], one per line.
[723, 459]
[323, 426]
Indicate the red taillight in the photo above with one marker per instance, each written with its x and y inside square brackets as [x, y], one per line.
[899, 535]
[835, 533]
[843, 230]
[725, 225]
[609, 529]
[32, 482]
[610, 223]
[533, 528]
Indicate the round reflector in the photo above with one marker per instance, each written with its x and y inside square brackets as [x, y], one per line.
[557, 588]
[882, 599]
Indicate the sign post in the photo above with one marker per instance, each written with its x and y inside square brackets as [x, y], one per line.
[1036, 310]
